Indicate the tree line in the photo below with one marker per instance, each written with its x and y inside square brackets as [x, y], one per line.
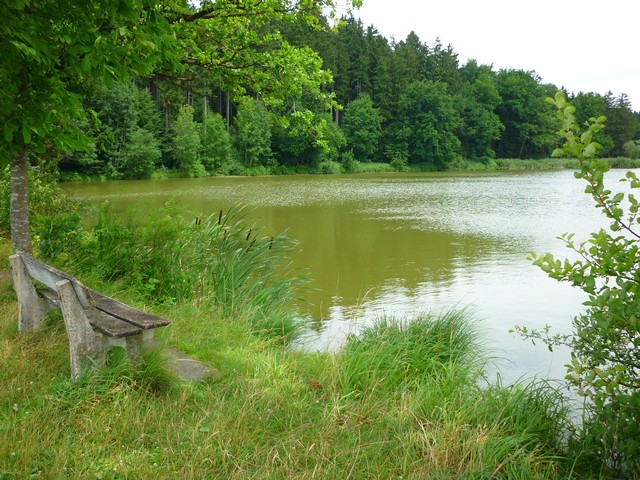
[404, 103]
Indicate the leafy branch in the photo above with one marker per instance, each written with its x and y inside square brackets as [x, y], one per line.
[605, 342]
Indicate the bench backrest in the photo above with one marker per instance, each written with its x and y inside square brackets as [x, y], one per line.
[50, 276]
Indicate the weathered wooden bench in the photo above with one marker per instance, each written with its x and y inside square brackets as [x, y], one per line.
[94, 322]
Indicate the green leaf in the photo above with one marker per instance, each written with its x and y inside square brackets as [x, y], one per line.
[28, 51]
[86, 64]
[8, 130]
[26, 135]
[589, 150]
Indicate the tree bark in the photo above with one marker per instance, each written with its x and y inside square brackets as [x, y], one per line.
[19, 207]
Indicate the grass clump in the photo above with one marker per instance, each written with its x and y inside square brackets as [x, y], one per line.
[427, 374]
[393, 354]
[369, 167]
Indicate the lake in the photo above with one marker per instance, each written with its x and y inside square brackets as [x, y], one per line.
[401, 244]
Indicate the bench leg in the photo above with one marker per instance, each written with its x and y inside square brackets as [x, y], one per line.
[31, 308]
[136, 343]
[84, 349]
[131, 345]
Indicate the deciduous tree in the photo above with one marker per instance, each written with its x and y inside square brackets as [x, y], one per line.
[476, 101]
[362, 128]
[217, 148]
[52, 51]
[253, 132]
[528, 120]
[187, 143]
[593, 105]
[427, 125]
[141, 154]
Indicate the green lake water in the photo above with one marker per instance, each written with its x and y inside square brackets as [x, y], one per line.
[400, 244]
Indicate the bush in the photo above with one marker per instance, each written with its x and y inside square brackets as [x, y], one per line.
[349, 161]
[140, 155]
[187, 144]
[217, 149]
[605, 343]
[399, 158]
[329, 168]
[632, 149]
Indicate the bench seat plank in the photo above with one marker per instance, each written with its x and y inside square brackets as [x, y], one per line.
[129, 314]
[111, 326]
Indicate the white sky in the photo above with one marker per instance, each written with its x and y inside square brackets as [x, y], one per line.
[583, 45]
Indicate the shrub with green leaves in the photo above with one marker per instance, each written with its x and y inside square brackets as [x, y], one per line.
[187, 143]
[605, 342]
[141, 155]
[362, 128]
[329, 168]
[218, 154]
[632, 149]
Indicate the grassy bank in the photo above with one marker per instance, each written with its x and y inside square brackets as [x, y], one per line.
[404, 400]
[273, 414]
[332, 168]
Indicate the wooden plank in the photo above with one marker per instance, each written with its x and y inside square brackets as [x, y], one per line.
[50, 276]
[125, 312]
[90, 299]
[111, 326]
[52, 297]
[42, 272]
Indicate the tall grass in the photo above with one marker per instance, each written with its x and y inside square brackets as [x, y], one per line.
[370, 167]
[431, 368]
[393, 354]
[542, 164]
[222, 261]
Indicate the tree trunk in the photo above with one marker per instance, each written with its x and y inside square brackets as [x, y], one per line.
[228, 112]
[20, 226]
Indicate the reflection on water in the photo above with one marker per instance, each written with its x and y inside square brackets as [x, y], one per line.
[403, 244]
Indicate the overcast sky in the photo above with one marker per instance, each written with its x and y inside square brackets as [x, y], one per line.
[583, 45]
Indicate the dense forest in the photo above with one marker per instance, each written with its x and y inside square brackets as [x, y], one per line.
[405, 103]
